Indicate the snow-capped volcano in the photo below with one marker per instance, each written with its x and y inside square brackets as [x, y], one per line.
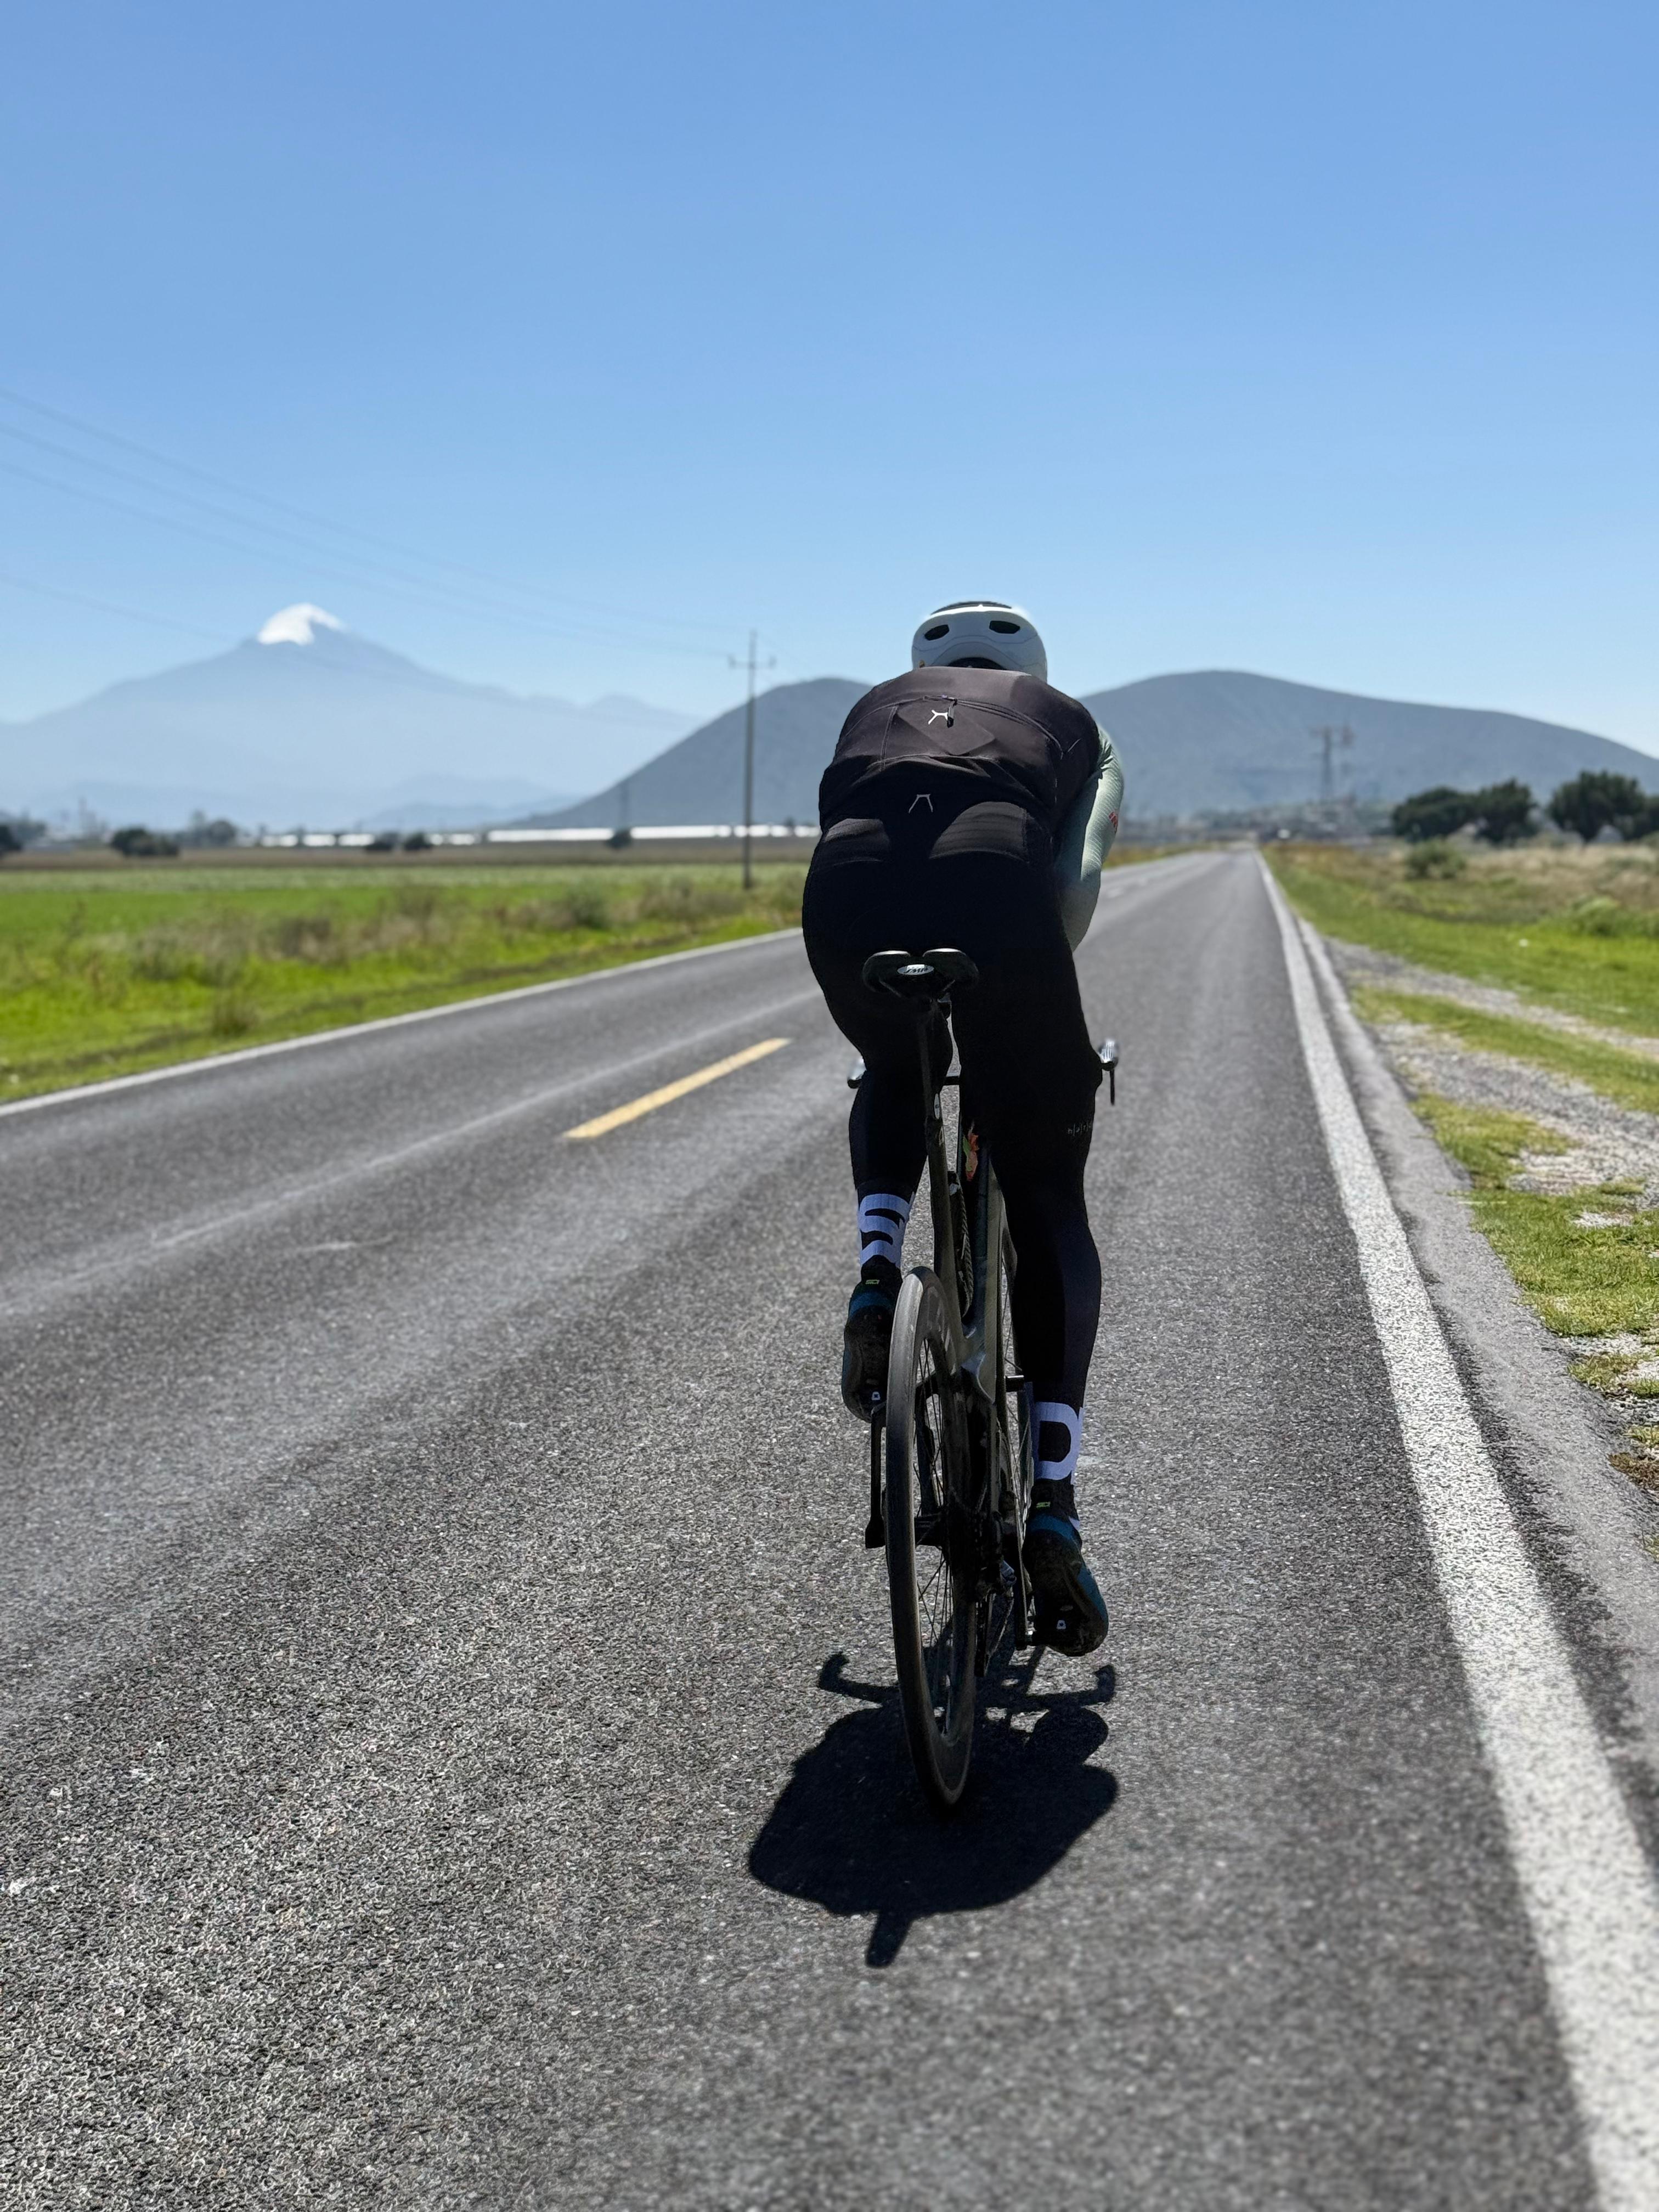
[298, 625]
[308, 721]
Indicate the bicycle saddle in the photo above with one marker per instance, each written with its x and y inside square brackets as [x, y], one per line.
[930, 974]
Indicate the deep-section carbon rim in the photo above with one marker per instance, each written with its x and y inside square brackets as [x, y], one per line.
[930, 1569]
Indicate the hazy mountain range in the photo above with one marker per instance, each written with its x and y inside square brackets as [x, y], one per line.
[1212, 741]
[309, 722]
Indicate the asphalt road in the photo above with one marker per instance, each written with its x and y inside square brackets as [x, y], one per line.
[449, 1756]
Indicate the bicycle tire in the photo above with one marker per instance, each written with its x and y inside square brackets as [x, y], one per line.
[927, 1511]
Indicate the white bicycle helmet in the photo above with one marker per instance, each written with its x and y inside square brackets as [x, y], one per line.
[983, 633]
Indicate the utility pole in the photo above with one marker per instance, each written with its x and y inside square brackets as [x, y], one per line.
[749, 759]
[748, 770]
[1327, 736]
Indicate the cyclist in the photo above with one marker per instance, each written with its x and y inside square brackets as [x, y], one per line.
[970, 804]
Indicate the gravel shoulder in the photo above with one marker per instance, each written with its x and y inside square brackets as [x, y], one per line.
[1594, 1531]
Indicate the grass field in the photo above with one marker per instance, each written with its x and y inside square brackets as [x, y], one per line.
[111, 968]
[1577, 930]
[1569, 927]
[106, 972]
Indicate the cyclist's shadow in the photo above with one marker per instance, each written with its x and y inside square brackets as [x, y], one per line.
[851, 1831]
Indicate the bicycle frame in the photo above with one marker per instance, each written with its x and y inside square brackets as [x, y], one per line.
[971, 1196]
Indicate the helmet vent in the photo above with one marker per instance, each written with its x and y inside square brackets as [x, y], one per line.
[1004, 629]
[938, 629]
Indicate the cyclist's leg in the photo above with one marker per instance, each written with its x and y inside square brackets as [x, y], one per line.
[860, 897]
[1031, 1076]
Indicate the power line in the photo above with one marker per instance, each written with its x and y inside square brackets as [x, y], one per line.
[339, 529]
[419, 681]
[223, 514]
[428, 595]
[109, 607]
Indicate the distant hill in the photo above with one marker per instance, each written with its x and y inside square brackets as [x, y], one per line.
[1219, 740]
[1209, 742]
[700, 778]
[309, 722]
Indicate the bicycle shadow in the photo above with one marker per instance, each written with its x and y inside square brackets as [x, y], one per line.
[852, 1832]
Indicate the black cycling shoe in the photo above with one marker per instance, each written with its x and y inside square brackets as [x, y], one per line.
[1070, 1612]
[869, 1332]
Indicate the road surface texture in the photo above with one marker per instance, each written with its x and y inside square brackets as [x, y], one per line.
[450, 1757]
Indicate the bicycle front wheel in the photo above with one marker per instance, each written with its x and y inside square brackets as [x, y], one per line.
[930, 1567]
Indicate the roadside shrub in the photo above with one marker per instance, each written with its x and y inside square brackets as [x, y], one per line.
[233, 1014]
[9, 840]
[311, 938]
[1434, 861]
[415, 903]
[417, 842]
[1608, 917]
[138, 843]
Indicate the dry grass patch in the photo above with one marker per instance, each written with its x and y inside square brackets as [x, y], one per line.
[1574, 927]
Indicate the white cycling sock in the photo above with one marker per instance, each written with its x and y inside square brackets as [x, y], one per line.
[882, 1217]
[1050, 1414]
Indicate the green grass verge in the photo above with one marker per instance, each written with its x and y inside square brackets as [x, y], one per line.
[1625, 1077]
[108, 974]
[1571, 930]
[1581, 1281]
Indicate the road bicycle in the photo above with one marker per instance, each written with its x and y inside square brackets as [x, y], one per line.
[951, 1443]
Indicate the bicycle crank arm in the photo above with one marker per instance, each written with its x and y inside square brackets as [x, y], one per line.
[875, 1531]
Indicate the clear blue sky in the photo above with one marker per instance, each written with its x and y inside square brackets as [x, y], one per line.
[1320, 340]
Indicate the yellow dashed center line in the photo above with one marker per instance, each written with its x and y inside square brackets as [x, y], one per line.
[603, 1124]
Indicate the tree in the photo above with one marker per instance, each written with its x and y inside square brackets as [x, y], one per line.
[1599, 800]
[1504, 813]
[138, 843]
[1439, 813]
[417, 842]
[9, 840]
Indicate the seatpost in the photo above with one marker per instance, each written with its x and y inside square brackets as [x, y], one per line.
[938, 1181]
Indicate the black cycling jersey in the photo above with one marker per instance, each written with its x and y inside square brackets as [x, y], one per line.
[1011, 736]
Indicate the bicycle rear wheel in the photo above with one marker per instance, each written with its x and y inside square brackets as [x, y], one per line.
[930, 1566]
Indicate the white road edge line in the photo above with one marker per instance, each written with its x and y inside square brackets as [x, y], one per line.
[209, 1062]
[1587, 1890]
